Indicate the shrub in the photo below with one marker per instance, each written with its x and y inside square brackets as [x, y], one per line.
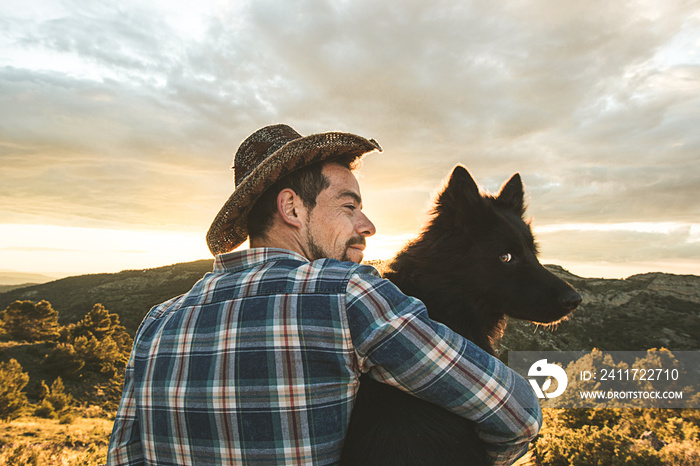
[57, 397]
[64, 361]
[26, 320]
[12, 382]
[55, 402]
[67, 417]
[93, 411]
[685, 453]
[593, 445]
[45, 410]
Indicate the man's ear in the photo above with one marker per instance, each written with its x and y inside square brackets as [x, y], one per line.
[290, 207]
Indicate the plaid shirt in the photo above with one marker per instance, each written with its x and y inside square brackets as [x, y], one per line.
[259, 364]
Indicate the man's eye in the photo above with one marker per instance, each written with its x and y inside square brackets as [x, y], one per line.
[351, 207]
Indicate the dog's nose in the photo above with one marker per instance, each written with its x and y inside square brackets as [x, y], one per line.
[571, 300]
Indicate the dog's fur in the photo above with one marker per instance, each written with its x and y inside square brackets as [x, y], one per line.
[472, 265]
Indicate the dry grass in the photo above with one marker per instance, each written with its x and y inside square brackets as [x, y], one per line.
[34, 441]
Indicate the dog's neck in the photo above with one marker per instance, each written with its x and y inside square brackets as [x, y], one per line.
[452, 307]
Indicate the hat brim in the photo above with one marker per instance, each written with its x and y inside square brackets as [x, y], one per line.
[230, 226]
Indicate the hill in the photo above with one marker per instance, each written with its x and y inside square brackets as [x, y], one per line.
[10, 280]
[644, 311]
[130, 293]
[641, 312]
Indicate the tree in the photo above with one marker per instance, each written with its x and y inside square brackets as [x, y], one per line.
[63, 360]
[97, 343]
[102, 324]
[45, 408]
[58, 398]
[97, 323]
[12, 382]
[26, 320]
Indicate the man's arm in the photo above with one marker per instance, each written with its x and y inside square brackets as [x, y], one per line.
[397, 343]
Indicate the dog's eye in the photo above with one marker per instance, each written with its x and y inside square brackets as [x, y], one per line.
[506, 258]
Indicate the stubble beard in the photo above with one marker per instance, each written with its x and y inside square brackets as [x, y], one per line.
[316, 251]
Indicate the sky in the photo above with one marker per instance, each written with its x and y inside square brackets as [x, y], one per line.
[119, 120]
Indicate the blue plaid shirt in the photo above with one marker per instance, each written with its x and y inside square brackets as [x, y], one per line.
[259, 364]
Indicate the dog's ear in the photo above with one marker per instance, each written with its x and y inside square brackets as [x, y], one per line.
[461, 179]
[511, 195]
[460, 193]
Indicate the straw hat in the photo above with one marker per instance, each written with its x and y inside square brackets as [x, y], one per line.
[263, 158]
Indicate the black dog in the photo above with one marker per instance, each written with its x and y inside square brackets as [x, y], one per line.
[472, 265]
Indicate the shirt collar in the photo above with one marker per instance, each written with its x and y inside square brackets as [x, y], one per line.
[247, 258]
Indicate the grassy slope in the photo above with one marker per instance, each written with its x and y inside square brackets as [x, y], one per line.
[34, 441]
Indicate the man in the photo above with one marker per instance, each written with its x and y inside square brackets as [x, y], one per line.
[259, 363]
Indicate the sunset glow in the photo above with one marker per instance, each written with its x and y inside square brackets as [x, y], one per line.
[120, 122]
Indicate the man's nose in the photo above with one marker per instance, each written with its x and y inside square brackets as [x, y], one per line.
[365, 226]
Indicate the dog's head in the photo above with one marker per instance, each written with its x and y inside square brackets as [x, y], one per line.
[488, 248]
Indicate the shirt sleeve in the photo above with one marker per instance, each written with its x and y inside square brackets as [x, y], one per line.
[398, 344]
[125, 443]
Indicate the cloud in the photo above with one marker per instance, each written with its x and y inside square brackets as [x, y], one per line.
[621, 245]
[34, 249]
[129, 115]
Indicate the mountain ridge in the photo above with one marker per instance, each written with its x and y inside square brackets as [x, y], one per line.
[643, 311]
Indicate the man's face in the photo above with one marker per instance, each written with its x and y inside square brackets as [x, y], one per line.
[336, 226]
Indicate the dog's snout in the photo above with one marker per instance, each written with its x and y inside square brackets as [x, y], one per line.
[571, 300]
